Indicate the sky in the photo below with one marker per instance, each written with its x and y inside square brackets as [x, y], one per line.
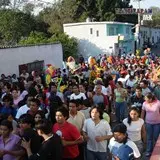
[146, 3]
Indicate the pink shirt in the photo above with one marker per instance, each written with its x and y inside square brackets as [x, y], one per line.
[152, 112]
[16, 101]
[11, 145]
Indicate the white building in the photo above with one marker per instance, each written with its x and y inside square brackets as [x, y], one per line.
[149, 35]
[102, 37]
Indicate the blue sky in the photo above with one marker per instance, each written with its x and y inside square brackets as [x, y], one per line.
[146, 3]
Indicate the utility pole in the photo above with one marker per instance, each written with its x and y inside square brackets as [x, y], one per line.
[138, 25]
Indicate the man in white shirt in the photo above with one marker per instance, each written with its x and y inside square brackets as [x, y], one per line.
[24, 74]
[24, 109]
[96, 132]
[77, 94]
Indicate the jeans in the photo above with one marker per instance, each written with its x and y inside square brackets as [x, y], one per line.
[120, 110]
[153, 131]
[139, 145]
[96, 155]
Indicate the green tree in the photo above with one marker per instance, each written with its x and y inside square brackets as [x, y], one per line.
[4, 3]
[69, 44]
[60, 13]
[28, 8]
[14, 25]
[34, 38]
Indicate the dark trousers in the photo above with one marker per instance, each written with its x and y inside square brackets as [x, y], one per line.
[77, 158]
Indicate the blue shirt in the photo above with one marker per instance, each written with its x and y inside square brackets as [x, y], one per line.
[8, 111]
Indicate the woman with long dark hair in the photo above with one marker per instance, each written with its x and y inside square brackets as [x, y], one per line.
[135, 128]
[120, 101]
[151, 114]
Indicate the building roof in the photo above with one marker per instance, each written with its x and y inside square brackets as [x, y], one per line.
[29, 45]
[96, 23]
[145, 26]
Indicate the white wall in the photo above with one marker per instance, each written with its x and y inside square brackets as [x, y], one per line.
[11, 58]
[90, 44]
[151, 32]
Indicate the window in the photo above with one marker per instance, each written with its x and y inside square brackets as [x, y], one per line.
[111, 31]
[117, 31]
[152, 39]
[127, 30]
[33, 66]
[97, 33]
[91, 30]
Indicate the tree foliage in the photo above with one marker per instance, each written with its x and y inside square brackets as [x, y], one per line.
[69, 44]
[25, 28]
[17, 24]
[4, 3]
[14, 25]
[68, 11]
[60, 13]
[34, 38]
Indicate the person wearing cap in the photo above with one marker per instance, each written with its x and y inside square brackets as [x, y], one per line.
[120, 146]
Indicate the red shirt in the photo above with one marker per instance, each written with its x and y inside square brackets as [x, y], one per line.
[69, 133]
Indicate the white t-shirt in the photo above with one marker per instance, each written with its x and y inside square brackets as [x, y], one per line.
[114, 146]
[130, 83]
[134, 129]
[26, 75]
[22, 110]
[109, 90]
[101, 129]
[79, 96]
[123, 80]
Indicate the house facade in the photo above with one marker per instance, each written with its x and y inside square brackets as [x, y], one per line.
[149, 35]
[96, 38]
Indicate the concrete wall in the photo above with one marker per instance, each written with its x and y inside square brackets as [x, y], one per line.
[11, 58]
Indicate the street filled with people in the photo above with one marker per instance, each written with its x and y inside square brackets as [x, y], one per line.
[102, 108]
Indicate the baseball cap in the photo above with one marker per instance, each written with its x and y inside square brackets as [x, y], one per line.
[125, 153]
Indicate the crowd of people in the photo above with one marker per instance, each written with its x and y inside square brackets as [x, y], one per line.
[107, 108]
